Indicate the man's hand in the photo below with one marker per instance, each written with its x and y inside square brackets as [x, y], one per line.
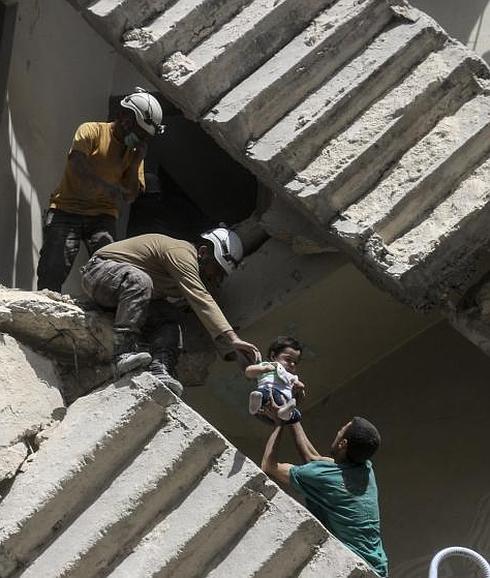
[270, 411]
[251, 353]
[243, 349]
[299, 391]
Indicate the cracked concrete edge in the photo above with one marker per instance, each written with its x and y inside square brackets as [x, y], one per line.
[30, 403]
[80, 455]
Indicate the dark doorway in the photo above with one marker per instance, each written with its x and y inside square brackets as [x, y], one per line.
[191, 183]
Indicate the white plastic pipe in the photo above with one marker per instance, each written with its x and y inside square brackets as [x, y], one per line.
[459, 551]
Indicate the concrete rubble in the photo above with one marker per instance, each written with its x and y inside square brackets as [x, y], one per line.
[79, 336]
[362, 116]
[30, 401]
[133, 482]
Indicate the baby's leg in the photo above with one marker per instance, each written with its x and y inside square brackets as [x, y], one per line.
[257, 399]
[287, 406]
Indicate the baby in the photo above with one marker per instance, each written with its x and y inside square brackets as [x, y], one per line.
[277, 377]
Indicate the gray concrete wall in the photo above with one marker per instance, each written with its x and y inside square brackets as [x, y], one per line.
[421, 382]
[60, 75]
[469, 22]
[429, 398]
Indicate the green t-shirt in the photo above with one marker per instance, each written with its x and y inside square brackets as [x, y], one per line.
[344, 497]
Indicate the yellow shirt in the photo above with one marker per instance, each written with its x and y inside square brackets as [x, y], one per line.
[110, 160]
[173, 267]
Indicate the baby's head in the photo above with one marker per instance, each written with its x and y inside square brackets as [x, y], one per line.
[286, 351]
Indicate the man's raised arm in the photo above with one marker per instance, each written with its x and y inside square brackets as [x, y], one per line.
[305, 448]
[270, 464]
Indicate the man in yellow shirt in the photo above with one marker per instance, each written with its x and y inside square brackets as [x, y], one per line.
[105, 165]
[134, 275]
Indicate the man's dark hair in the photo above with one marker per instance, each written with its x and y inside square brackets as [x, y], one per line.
[281, 343]
[363, 440]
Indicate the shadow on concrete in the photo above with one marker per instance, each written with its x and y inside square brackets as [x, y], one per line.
[20, 205]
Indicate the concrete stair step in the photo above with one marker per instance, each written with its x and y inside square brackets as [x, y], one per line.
[157, 480]
[451, 233]
[296, 139]
[197, 80]
[99, 434]
[135, 483]
[340, 566]
[213, 516]
[425, 174]
[180, 28]
[351, 164]
[319, 100]
[282, 540]
[332, 38]
[118, 16]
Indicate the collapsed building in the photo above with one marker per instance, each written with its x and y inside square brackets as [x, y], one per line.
[351, 125]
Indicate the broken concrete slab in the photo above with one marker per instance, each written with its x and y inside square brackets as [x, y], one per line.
[99, 433]
[11, 460]
[30, 401]
[75, 330]
[200, 83]
[324, 564]
[351, 163]
[297, 137]
[289, 534]
[319, 103]
[222, 505]
[262, 99]
[179, 29]
[149, 483]
[56, 324]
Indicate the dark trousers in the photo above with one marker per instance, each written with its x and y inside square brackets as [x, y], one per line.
[63, 233]
[129, 290]
[279, 399]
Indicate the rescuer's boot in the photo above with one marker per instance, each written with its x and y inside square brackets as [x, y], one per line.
[162, 367]
[126, 356]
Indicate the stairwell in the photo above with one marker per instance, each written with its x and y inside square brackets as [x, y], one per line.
[362, 114]
[134, 483]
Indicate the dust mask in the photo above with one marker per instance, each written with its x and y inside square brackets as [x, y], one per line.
[131, 140]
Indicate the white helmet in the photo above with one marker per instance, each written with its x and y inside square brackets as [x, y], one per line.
[228, 249]
[147, 110]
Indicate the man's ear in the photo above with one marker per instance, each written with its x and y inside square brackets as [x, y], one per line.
[343, 443]
[203, 252]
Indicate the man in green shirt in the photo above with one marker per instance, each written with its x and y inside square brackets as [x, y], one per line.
[340, 490]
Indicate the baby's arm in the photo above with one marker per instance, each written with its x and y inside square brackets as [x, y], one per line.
[255, 371]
